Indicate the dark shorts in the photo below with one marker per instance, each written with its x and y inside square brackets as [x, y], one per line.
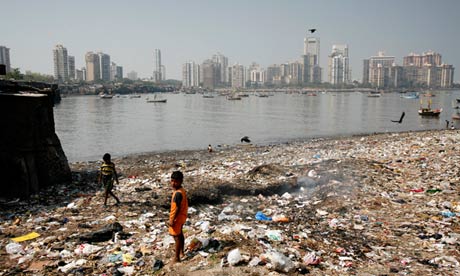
[107, 181]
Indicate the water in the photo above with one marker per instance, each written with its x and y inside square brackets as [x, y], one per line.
[89, 126]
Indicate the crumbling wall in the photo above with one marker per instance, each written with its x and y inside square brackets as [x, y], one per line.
[31, 156]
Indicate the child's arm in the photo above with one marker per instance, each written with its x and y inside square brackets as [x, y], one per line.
[99, 177]
[115, 173]
[175, 212]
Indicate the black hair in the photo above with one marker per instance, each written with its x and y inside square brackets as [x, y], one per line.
[177, 175]
[106, 157]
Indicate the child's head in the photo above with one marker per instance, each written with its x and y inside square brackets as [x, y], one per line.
[176, 179]
[106, 157]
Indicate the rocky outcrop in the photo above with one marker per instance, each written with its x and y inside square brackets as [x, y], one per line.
[31, 156]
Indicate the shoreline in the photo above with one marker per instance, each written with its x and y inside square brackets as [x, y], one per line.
[367, 205]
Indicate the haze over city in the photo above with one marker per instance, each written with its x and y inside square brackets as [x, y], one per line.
[265, 32]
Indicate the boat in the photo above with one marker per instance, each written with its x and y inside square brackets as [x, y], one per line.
[105, 96]
[134, 96]
[456, 116]
[208, 96]
[428, 111]
[415, 95]
[156, 100]
[374, 94]
[233, 97]
[262, 95]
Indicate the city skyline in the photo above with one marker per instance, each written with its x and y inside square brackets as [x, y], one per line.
[267, 34]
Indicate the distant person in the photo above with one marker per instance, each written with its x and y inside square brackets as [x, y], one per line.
[107, 175]
[209, 148]
[447, 124]
[178, 213]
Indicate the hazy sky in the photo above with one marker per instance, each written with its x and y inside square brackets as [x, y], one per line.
[262, 31]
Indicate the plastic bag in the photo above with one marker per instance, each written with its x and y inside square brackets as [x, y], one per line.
[234, 256]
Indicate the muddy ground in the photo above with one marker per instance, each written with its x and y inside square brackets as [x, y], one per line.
[385, 204]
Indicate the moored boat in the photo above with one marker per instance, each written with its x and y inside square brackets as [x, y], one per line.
[428, 111]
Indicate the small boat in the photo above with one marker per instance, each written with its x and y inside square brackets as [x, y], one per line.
[208, 96]
[156, 100]
[427, 111]
[105, 96]
[262, 95]
[132, 96]
[411, 96]
[456, 116]
[311, 94]
[428, 95]
[374, 95]
[233, 98]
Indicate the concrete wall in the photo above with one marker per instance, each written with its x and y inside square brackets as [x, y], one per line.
[31, 156]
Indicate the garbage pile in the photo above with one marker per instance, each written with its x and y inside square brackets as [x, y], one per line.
[369, 205]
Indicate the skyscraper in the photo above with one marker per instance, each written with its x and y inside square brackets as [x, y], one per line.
[310, 60]
[222, 62]
[5, 58]
[157, 65]
[61, 64]
[93, 67]
[190, 74]
[380, 70]
[210, 74]
[104, 59]
[238, 76]
[71, 62]
[339, 70]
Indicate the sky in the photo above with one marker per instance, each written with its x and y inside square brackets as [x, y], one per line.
[262, 31]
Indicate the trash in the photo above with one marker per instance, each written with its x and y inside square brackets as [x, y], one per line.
[280, 262]
[86, 249]
[104, 234]
[234, 257]
[261, 216]
[14, 248]
[433, 191]
[157, 265]
[30, 236]
[254, 262]
[274, 235]
[280, 218]
[448, 214]
[311, 259]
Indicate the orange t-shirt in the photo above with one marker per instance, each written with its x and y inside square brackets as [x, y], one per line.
[183, 208]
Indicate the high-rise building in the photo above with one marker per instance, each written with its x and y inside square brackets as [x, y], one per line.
[157, 65]
[210, 74]
[132, 75]
[222, 62]
[381, 71]
[93, 67]
[104, 60]
[119, 74]
[339, 70]
[312, 72]
[163, 72]
[238, 76]
[190, 74]
[71, 62]
[273, 74]
[5, 58]
[426, 70]
[295, 70]
[80, 75]
[61, 64]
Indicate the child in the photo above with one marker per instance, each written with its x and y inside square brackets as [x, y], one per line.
[178, 213]
[107, 174]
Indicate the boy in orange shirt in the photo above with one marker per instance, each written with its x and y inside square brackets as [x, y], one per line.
[178, 213]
